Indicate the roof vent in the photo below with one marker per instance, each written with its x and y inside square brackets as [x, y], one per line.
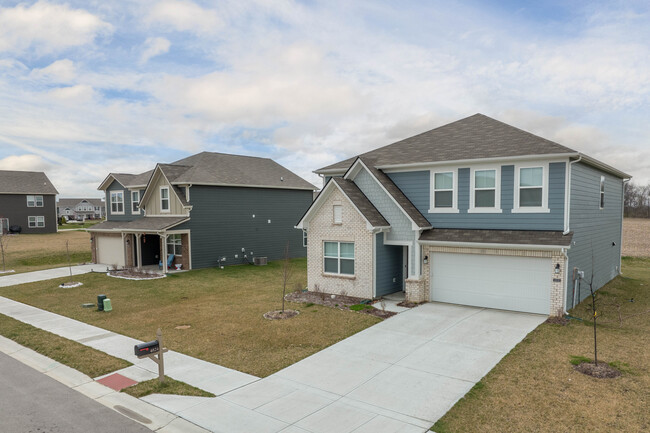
[281, 179]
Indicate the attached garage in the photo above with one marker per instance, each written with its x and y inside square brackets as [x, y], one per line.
[492, 281]
[110, 250]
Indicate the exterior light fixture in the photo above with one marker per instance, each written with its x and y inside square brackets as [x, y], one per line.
[557, 268]
[426, 259]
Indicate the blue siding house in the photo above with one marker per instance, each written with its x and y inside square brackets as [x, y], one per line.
[479, 213]
[210, 209]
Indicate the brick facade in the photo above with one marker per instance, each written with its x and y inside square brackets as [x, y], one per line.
[353, 229]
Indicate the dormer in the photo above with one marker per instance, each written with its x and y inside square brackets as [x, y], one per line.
[162, 198]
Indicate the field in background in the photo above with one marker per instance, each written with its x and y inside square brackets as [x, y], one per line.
[26, 253]
[636, 237]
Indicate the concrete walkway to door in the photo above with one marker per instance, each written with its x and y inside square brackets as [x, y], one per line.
[400, 375]
[48, 274]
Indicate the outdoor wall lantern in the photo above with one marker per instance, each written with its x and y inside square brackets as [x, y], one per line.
[557, 268]
[128, 241]
[426, 259]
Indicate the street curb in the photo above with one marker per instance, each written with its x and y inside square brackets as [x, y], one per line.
[144, 413]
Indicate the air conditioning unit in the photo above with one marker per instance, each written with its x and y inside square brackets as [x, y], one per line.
[259, 261]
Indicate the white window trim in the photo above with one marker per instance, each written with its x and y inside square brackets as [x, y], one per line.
[338, 206]
[339, 274]
[180, 242]
[35, 201]
[432, 192]
[111, 202]
[39, 222]
[545, 176]
[497, 190]
[601, 193]
[135, 203]
[304, 239]
[169, 202]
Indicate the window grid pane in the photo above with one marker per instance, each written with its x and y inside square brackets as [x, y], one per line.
[484, 198]
[484, 178]
[444, 198]
[347, 267]
[531, 176]
[331, 265]
[331, 249]
[530, 197]
[444, 181]
[347, 250]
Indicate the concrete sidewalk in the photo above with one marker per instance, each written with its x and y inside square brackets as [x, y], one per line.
[49, 274]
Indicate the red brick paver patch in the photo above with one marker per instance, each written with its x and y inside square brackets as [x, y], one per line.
[117, 381]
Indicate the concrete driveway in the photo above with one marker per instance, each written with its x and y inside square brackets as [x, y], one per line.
[400, 375]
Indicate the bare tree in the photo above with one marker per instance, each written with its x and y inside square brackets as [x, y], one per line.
[287, 270]
[594, 312]
[4, 242]
[67, 250]
[636, 200]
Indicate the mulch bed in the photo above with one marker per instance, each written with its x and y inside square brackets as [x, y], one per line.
[600, 371]
[134, 274]
[279, 315]
[562, 321]
[341, 302]
[409, 304]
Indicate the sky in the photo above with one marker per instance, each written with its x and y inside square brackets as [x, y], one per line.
[91, 87]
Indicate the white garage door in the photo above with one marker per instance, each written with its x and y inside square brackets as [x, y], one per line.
[110, 250]
[507, 283]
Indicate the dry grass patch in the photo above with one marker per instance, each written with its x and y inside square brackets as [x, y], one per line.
[82, 358]
[224, 309]
[34, 252]
[169, 386]
[535, 387]
[636, 237]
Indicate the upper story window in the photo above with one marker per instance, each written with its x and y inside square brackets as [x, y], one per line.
[485, 194]
[117, 202]
[602, 192]
[36, 221]
[135, 201]
[444, 192]
[338, 214]
[531, 194]
[164, 199]
[34, 201]
[338, 258]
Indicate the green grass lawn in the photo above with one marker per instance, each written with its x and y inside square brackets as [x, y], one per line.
[78, 224]
[535, 388]
[224, 309]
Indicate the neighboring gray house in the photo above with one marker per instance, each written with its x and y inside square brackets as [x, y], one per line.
[81, 208]
[208, 209]
[27, 200]
[475, 212]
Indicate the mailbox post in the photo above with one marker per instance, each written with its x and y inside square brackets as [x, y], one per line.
[154, 350]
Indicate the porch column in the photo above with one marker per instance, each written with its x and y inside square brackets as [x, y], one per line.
[138, 236]
[163, 238]
[124, 248]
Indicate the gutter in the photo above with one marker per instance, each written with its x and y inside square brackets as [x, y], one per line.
[493, 245]
[567, 201]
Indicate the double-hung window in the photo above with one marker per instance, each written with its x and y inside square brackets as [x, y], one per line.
[34, 201]
[117, 202]
[36, 221]
[135, 202]
[485, 191]
[304, 237]
[531, 189]
[338, 258]
[443, 192]
[164, 199]
[174, 245]
[602, 192]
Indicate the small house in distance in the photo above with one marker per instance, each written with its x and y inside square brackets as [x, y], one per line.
[205, 210]
[27, 202]
[81, 208]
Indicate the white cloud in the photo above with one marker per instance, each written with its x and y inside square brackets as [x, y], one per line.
[154, 47]
[61, 71]
[184, 16]
[26, 162]
[47, 27]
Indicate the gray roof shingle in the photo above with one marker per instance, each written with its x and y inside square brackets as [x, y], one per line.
[140, 224]
[515, 237]
[473, 137]
[25, 182]
[367, 209]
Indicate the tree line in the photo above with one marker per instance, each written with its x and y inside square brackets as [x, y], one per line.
[637, 200]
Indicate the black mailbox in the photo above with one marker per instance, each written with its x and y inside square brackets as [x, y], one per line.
[146, 348]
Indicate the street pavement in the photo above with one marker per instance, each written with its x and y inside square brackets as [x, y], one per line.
[31, 401]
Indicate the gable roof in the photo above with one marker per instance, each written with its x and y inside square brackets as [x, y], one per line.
[398, 196]
[358, 199]
[473, 137]
[140, 224]
[70, 202]
[210, 168]
[25, 182]
[173, 171]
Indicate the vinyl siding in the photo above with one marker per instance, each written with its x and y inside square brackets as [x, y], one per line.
[222, 223]
[152, 205]
[416, 186]
[594, 229]
[388, 266]
[400, 226]
[110, 216]
[14, 207]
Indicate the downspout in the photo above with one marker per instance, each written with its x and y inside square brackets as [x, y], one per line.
[568, 197]
[566, 282]
[620, 256]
